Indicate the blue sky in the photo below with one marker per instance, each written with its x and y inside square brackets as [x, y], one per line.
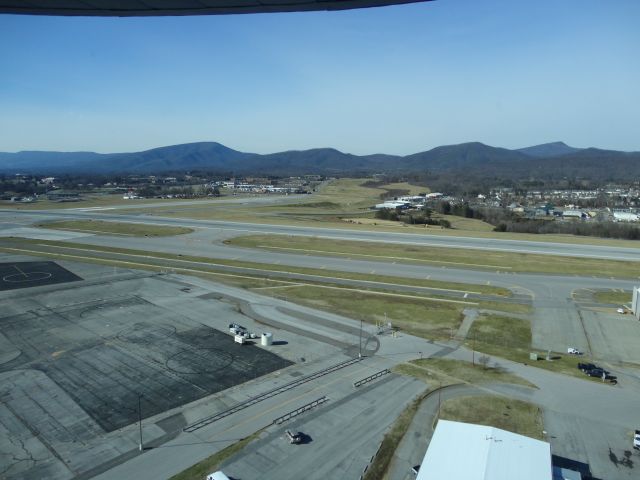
[397, 80]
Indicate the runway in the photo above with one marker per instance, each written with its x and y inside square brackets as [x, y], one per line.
[226, 229]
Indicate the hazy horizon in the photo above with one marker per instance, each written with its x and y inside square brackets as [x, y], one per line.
[295, 149]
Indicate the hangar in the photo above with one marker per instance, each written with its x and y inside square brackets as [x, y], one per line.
[463, 451]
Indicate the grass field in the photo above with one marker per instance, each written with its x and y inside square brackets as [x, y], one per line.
[444, 371]
[613, 296]
[421, 317]
[508, 414]
[510, 338]
[115, 228]
[501, 332]
[453, 257]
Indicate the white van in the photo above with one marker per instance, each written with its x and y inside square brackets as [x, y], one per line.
[217, 476]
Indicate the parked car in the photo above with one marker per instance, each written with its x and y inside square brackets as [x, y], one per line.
[585, 367]
[573, 351]
[294, 438]
[621, 310]
[636, 440]
[601, 372]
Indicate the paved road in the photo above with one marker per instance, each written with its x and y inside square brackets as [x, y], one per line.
[238, 228]
[333, 451]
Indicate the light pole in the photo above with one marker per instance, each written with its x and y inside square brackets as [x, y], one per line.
[360, 341]
[140, 420]
[473, 351]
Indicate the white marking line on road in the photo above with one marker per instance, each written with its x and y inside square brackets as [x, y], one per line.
[280, 286]
[222, 265]
[380, 256]
[89, 209]
[386, 294]
[87, 231]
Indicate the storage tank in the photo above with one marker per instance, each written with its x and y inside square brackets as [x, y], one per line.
[266, 340]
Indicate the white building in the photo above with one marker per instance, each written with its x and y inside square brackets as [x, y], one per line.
[463, 451]
[625, 217]
[574, 214]
[392, 205]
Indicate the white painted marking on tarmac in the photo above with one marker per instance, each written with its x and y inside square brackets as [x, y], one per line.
[91, 209]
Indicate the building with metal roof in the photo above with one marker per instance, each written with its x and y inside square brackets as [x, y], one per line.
[463, 451]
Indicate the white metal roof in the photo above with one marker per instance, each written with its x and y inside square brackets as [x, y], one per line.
[463, 451]
[219, 475]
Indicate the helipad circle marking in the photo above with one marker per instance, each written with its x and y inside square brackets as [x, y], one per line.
[26, 277]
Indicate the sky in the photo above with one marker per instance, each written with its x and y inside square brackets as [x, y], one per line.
[398, 80]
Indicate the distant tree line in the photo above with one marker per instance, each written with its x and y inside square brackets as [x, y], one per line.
[588, 229]
[411, 218]
[505, 221]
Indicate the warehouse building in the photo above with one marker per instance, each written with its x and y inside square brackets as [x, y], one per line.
[463, 451]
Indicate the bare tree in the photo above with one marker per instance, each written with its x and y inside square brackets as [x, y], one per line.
[484, 361]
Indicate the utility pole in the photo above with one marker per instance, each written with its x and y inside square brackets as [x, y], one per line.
[360, 341]
[140, 420]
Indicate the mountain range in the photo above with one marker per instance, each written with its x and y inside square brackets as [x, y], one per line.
[551, 159]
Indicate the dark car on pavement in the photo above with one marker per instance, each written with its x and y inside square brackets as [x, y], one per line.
[585, 367]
